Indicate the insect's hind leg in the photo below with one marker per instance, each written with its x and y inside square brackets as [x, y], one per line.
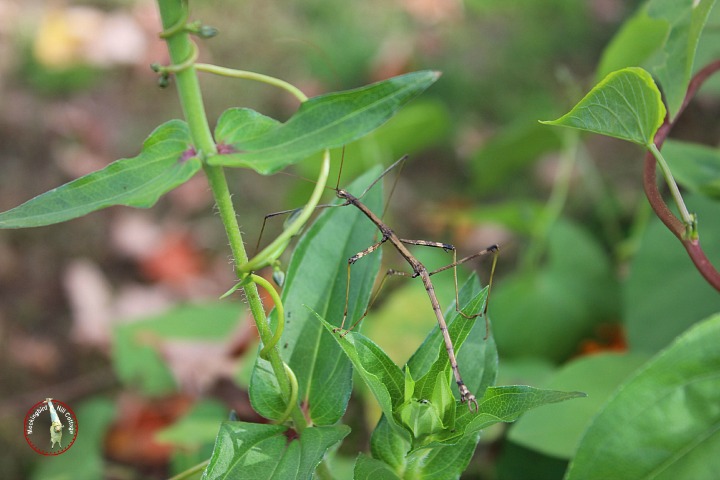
[492, 249]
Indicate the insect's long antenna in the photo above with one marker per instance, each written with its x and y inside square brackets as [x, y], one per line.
[342, 162]
[309, 180]
[385, 172]
[392, 189]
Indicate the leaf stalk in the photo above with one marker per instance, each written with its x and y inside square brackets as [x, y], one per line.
[676, 226]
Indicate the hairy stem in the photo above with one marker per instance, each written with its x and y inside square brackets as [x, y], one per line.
[676, 226]
[181, 48]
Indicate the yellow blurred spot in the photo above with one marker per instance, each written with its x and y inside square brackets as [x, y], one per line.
[63, 35]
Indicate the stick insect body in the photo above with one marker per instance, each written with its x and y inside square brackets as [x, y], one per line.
[418, 270]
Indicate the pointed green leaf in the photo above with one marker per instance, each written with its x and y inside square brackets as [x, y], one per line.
[316, 278]
[256, 451]
[625, 105]
[507, 403]
[663, 422]
[500, 404]
[326, 121]
[135, 182]
[384, 379]
[409, 386]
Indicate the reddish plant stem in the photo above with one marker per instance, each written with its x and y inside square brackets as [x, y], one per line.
[675, 225]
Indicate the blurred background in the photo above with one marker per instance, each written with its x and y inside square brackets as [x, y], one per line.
[84, 305]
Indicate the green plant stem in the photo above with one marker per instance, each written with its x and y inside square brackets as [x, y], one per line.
[686, 216]
[180, 47]
[259, 77]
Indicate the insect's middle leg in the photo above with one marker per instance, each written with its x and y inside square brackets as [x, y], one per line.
[376, 295]
[351, 261]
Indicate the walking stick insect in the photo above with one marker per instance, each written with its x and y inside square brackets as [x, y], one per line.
[418, 270]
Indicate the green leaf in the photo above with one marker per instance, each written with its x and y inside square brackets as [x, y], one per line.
[367, 468]
[445, 462]
[384, 379]
[673, 68]
[500, 404]
[507, 403]
[659, 306]
[316, 278]
[135, 354]
[326, 121]
[626, 105]
[390, 444]
[695, 167]
[636, 41]
[555, 430]
[256, 451]
[663, 423]
[663, 37]
[135, 182]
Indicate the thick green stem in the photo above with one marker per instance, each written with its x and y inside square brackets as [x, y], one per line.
[181, 48]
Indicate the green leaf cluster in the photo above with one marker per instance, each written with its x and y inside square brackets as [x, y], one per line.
[245, 138]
